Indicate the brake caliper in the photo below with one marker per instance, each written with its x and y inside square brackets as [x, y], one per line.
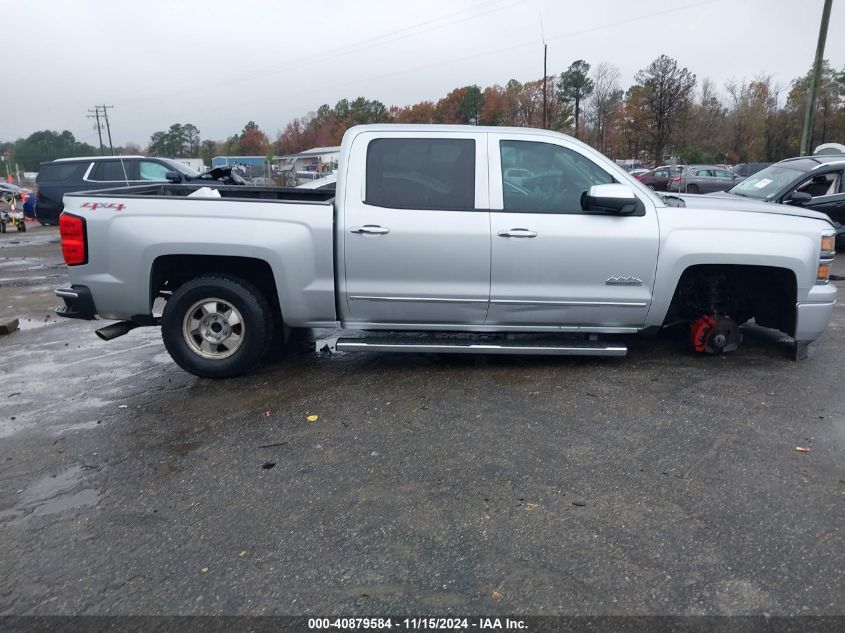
[715, 334]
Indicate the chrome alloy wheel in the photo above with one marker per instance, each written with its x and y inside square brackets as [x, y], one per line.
[213, 328]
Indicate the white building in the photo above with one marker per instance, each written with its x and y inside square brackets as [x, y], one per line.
[313, 163]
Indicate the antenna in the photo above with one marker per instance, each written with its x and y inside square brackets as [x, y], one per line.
[545, 51]
[123, 167]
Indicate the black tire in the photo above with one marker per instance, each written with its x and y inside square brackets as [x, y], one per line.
[243, 344]
[2, 227]
[692, 189]
[650, 187]
[22, 227]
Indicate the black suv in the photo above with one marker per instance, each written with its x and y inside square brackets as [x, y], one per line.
[813, 182]
[65, 175]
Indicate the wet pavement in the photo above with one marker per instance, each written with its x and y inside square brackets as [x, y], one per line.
[660, 483]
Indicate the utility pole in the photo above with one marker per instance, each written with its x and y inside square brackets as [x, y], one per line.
[108, 129]
[545, 101]
[807, 134]
[96, 115]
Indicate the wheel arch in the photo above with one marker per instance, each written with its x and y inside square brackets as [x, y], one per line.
[763, 292]
[168, 272]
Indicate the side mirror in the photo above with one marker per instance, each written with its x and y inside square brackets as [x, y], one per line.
[614, 199]
[174, 177]
[800, 198]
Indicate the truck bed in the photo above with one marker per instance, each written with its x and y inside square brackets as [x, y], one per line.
[138, 237]
[227, 192]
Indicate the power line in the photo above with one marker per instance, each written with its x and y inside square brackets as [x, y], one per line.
[475, 11]
[514, 47]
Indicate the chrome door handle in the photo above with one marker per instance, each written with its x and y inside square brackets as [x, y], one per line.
[518, 233]
[374, 229]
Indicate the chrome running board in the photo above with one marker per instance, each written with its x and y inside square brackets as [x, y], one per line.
[432, 345]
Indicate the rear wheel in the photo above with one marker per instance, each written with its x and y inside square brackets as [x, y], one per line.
[692, 189]
[217, 327]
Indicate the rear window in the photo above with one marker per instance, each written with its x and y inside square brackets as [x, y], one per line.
[58, 172]
[415, 173]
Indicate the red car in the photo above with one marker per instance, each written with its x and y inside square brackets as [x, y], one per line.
[657, 179]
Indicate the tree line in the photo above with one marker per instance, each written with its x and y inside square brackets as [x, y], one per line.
[667, 111]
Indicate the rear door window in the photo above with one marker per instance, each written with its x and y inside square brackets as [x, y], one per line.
[111, 171]
[417, 173]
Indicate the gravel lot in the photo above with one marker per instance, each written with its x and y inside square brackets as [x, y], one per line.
[661, 483]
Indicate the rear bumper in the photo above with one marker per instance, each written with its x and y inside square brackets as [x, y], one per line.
[79, 304]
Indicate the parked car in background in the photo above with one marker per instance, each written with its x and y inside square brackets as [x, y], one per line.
[639, 171]
[702, 179]
[657, 179]
[64, 175]
[812, 182]
[836, 149]
[746, 169]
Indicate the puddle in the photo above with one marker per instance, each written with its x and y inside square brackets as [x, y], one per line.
[34, 324]
[40, 240]
[52, 494]
[82, 426]
[82, 499]
[51, 485]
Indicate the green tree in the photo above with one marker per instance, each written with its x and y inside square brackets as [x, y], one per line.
[48, 145]
[574, 86]
[472, 102]
[182, 141]
[207, 151]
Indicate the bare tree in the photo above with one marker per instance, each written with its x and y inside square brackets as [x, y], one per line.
[666, 93]
[604, 102]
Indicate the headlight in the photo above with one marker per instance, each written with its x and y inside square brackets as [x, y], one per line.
[828, 243]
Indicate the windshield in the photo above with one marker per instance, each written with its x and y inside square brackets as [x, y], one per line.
[182, 168]
[768, 183]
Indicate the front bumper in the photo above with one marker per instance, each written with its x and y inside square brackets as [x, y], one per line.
[79, 304]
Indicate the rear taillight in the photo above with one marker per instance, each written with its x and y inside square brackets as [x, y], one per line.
[639, 177]
[676, 179]
[74, 242]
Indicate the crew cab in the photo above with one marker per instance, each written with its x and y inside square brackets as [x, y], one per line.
[443, 239]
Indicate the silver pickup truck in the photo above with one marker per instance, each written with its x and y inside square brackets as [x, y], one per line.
[444, 239]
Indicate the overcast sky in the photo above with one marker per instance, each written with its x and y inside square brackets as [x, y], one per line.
[219, 63]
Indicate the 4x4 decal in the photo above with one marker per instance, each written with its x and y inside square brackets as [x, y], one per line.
[117, 206]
